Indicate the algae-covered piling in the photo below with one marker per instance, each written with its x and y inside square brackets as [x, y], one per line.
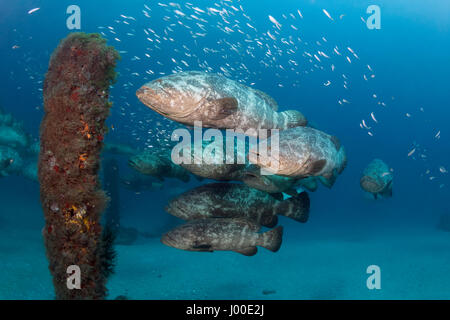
[76, 92]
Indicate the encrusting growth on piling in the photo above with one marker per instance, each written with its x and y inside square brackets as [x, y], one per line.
[76, 92]
[111, 181]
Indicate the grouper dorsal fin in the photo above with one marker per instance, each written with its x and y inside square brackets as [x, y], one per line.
[336, 142]
[268, 99]
[222, 108]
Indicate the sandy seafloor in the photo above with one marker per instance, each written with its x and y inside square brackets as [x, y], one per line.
[316, 261]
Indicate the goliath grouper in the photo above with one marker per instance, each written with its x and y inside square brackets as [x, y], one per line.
[233, 200]
[377, 179]
[218, 102]
[304, 152]
[222, 234]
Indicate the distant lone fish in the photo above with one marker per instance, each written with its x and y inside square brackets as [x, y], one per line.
[208, 235]
[304, 152]
[232, 200]
[377, 179]
[139, 183]
[218, 102]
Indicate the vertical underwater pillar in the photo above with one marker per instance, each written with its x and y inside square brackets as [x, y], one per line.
[76, 92]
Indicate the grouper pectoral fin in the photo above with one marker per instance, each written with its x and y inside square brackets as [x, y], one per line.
[316, 166]
[222, 108]
[250, 251]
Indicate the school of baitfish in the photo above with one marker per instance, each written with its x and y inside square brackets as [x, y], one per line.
[307, 155]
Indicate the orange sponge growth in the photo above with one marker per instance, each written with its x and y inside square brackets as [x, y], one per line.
[76, 92]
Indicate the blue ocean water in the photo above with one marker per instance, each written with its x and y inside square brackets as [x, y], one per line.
[334, 69]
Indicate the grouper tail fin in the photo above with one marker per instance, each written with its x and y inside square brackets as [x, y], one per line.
[296, 207]
[272, 239]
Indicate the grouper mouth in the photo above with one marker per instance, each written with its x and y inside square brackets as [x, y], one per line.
[168, 240]
[371, 185]
[133, 164]
[143, 94]
[250, 175]
[153, 100]
[174, 209]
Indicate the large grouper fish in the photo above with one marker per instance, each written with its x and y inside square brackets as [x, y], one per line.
[234, 200]
[303, 152]
[217, 102]
[213, 234]
[249, 174]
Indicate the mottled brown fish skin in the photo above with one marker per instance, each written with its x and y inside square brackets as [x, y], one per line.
[207, 168]
[221, 172]
[217, 101]
[221, 234]
[232, 200]
[305, 152]
[225, 200]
